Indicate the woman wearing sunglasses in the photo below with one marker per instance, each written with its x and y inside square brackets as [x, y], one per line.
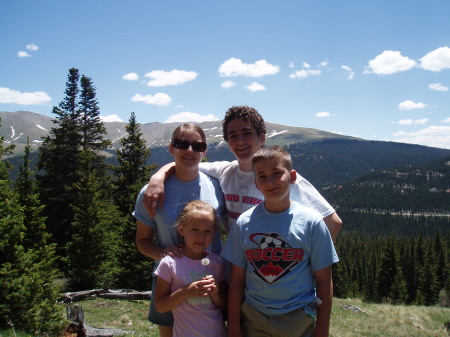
[188, 147]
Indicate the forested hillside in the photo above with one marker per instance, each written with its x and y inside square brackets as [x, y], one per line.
[419, 189]
[396, 237]
[332, 162]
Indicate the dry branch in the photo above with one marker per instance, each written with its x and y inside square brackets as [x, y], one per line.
[123, 294]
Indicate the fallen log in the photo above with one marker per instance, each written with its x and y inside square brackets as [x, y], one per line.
[127, 295]
[124, 294]
[79, 295]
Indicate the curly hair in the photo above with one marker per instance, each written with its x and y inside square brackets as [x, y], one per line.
[246, 113]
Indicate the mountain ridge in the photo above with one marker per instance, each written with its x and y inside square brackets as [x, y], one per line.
[17, 126]
[324, 158]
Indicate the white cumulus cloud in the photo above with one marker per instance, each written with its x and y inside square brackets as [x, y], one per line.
[32, 46]
[350, 73]
[389, 62]
[422, 121]
[435, 136]
[159, 99]
[323, 114]
[191, 117]
[23, 54]
[413, 122]
[130, 77]
[406, 122]
[255, 86]
[436, 60]
[161, 78]
[410, 105]
[304, 73]
[437, 87]
[23, 98]
[228, 84]
[111, 118]
[235, 67]
[447, 120]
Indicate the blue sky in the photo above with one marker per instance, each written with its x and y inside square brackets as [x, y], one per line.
[373, 69]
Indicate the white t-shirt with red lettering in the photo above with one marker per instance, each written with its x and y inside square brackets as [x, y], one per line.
[241, 193]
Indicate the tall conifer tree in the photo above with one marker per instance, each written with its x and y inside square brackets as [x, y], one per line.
[131, 175]
[441, 262]
[132, 171]
[92, 129]
[399, 291]
[27, 292]
[58, 161]
[92, 251]
[386, 271]
[37, 234]
[78, 128]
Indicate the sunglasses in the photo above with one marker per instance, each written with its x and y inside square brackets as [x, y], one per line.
[182, 144]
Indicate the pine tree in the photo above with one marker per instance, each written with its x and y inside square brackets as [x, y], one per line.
[409, 265]
[420, 272]
[92, 250]
[11, 217]
[58, 161]
[399, 292]
[5, 151]
[442, 271]
[37, 235]
[428, 288]
[78, 128]
[27, 292]
[132, 173]
[386, 271]
[92, 129]
[373, 247]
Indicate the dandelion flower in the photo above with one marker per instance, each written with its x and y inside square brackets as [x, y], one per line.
[205, 262]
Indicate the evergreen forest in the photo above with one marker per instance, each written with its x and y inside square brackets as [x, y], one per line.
[66, 223]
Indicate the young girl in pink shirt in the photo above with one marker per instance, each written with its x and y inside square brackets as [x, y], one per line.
[193, 286]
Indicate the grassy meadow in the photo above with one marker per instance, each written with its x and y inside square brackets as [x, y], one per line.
[350, 318]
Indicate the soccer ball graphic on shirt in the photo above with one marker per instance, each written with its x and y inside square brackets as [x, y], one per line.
[272, 240]
[273, 257]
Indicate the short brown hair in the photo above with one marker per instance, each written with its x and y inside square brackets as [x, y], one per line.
[246, 113]
[188, 127]
[273, 152]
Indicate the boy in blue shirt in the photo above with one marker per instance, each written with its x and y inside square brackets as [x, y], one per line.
[281, 254]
